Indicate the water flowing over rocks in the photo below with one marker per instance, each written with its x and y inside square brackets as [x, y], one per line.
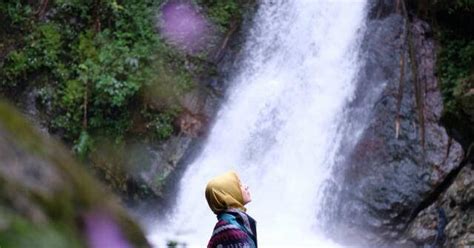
[395, 167]
[273, 129]
[403, 183]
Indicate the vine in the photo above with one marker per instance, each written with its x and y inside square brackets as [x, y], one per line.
[418, 85]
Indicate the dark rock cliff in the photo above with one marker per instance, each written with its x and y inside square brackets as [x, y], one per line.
[402, 158]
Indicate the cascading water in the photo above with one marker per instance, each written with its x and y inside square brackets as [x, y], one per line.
[279, 127]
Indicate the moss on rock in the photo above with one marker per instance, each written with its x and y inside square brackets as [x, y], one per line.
[46, 196]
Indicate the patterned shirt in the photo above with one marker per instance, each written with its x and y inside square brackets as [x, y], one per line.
[234, 229]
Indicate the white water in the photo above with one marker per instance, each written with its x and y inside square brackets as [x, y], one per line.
[278, 128]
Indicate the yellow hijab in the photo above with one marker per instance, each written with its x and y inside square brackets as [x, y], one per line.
[223, 192]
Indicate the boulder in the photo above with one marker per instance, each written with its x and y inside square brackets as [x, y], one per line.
[49, 200]
[456, 227]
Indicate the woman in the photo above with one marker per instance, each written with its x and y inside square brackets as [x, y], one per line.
[226, 197]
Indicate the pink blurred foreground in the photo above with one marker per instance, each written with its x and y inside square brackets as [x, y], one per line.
[102, 231]
[182, 25]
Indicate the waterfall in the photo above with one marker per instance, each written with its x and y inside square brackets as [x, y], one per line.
[279, 126]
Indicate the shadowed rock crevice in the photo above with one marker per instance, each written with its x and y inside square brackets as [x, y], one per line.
[438, 191]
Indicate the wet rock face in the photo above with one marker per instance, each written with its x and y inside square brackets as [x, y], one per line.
[48, 200]
[381, 8]
[398, 161]
[459, 204]
[456, 227]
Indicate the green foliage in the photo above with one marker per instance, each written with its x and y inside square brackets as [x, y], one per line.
[83, 146]
[16, 67]
[455, 5]
[172, 244]
[160, 124]
[42, 51]
[17, 14]
[160, 180]
[98, 63]
[20, 232]
[175, 244]
[455, 64]
[222, 11]
[91, 59]
[45, 45]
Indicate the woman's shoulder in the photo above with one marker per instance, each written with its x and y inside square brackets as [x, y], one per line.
[227, 233]
[227, 226]
[240, 218]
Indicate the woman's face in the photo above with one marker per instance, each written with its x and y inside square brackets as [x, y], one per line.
[245, 193]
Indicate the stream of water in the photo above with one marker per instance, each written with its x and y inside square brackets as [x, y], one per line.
[279, 125]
